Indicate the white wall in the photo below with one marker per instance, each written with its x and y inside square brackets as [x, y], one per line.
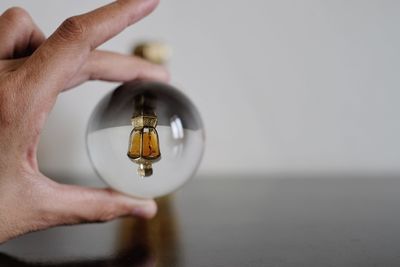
[284, 86]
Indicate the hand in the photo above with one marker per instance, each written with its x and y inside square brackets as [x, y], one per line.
[33, 71]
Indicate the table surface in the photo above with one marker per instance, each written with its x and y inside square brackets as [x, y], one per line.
[348, 221]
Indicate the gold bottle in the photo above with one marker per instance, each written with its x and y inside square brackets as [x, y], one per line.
[144, 147]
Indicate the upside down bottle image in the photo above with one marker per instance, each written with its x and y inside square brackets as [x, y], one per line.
[144, 146]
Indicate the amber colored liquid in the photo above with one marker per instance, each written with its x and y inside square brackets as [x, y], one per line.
[144, 144]
[150, 148]
[135, 144]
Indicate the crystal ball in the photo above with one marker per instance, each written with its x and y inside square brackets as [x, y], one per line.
[145, 139]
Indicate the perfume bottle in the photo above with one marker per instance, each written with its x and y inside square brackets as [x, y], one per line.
[144, 148]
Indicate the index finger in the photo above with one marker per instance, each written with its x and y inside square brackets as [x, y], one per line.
[61, 56]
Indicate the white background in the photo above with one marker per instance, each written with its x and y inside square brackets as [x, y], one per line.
[283, 86]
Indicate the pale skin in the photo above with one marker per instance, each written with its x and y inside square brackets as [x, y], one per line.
[34, 70]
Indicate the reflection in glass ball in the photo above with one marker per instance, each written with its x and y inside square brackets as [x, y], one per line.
[145, 139]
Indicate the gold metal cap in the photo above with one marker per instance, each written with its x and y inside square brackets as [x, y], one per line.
[145, 170]
[155, 52]
[142, 121]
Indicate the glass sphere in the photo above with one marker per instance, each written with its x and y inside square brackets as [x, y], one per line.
[145, 139]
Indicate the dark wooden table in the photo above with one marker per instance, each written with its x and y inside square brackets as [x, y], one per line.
[321, 221]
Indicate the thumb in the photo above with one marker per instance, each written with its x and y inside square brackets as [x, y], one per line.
[75, 204]
[20, 36]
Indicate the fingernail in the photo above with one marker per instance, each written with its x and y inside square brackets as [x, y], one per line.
[140, 212]
[147, 211]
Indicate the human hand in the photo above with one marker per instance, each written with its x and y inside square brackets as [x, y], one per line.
[33, 71]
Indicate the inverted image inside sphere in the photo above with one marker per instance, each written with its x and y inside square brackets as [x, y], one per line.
[179, 131]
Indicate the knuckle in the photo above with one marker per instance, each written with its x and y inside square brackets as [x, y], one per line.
[72, 29]
[17, 16]
[107, 213]
[15, 13]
